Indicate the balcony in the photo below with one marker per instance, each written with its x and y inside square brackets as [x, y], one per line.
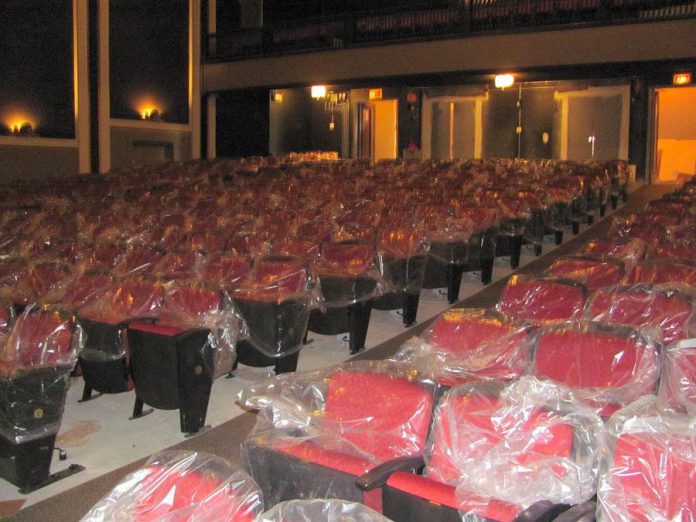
[472, 17]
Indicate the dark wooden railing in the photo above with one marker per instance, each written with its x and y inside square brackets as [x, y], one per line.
[471, 17]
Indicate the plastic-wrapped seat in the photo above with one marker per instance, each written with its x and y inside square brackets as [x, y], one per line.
[317, 432]
[35, 365]
[650, 472]
[667, 309]
[608, 366]
[174, 360]
[593, 273]
[678, 381]
[227, 272]
[656, 271]
[481, 245]
[349, 281]
[321, 510]
[275, 301]
[104, 361]
[467, 344]
[541, 300]
[402, 252]
[628, 250]
[178, 486]
[525, 451]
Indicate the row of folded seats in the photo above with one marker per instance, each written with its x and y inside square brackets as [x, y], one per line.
[163, 307]
[574, 397]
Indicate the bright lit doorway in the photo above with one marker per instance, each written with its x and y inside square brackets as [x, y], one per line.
[384, 127]
[675, 138]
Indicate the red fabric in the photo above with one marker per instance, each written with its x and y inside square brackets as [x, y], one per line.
[586, 359]
[84, 287]
[40, 339]
[186, 303]
[662, 272]
[274, 280]
[191, 493]
[391, 422]
[637, 307]
[227, 271]
[465, 431]
[654, 474]
[346, 259]
[443, 494]
[168, 331]
[130, 299]
[687, 252]
[592, 273]
[542, 300]
[401, 242]
[308, 452]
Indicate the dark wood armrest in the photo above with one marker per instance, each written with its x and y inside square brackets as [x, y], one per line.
[379, 475]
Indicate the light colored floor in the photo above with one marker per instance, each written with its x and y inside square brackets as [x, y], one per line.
[98, 435]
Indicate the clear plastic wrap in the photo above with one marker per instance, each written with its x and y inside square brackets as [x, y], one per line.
[542, 300]
[656, 271]
[468, 344]
[348, 273]
[668, 310]
[593, 273]
[348, 418]
[177, 486]
[630, 250]
[321, 510]
[228, 272]
[608, 366]
[650, 470]
[402, 251]
[505, 448]
[678, 381]
[35, 365]
[275, 301]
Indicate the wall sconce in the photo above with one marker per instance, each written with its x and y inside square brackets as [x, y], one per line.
[681, 78]
[503, 81]
[21, 128]
[335, 101]
[276, 96]
[318, 92]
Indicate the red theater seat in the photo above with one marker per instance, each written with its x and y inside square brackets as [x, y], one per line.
[541, 300]
[368, 418]
[678, 380]
[593, 273]
[182, 486]
[608, 366]
[498, 456]
[658, 271]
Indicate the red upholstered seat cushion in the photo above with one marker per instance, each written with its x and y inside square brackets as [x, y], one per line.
[444, 494]
[662, 272]
[273, 280]
[308, 452]
[345, 259]
[186, 305]
[685, 251]
[37, 339]
[592, 273]
[85, 287]
[226, 271]
[383, 415]
[187, 496]
[465, 431]
[482, 345]
[401, 242]
[640, 307]
[595, 360]
[540, 300]
[132, 298]
[653, 475]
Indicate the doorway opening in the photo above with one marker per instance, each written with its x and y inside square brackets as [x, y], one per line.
[675, 134]
[378, 130]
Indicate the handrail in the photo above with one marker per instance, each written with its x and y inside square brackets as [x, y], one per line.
[469, 18]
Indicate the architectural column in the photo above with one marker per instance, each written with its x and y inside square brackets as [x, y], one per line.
[104, 96]
[194, 91]
[211, 109]
[81, 83]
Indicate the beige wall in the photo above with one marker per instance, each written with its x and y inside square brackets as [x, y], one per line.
[623, 43]
[36, 161]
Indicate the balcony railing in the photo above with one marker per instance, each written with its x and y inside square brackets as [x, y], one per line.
[471, 17]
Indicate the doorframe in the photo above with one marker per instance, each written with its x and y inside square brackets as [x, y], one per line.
[427, 121]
